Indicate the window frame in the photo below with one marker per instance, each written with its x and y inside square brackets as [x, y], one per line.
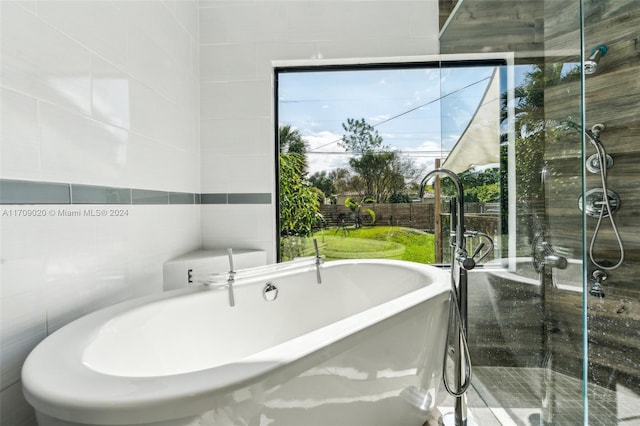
[505, 59]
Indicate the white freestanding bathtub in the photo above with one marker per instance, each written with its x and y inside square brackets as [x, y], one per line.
[363, 347]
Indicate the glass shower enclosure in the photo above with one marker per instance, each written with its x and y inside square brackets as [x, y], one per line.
[554, 318]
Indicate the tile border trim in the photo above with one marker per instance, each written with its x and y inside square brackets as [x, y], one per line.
[20, 192]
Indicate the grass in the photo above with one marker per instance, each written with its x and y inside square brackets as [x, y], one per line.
[334, 247]
[379, 242]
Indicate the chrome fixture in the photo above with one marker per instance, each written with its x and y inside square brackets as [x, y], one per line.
[545, 255]
[458, 306]
[591, 63]
[600, 202]
[609, 200]
[595, 162]
[553, 259]
[318, 261]
[478, 255]
[593, 203]
[596, 287]
[457, 217]
[231, 278]
[593, 135]
[596, 129]
[270, 292]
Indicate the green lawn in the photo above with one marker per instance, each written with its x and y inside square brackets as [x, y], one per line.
[379, 242]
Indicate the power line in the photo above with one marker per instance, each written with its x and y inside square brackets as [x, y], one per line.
[417, 153]
[409, 111]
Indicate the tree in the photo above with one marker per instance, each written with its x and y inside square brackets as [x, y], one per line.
[382, 171]
[481, 186]
[299, 206]
[290, 141]
[489, 193]
[299, 203]
[323, 182]
[531, 126]
[361, 137]
[399, 197]
[341, 179]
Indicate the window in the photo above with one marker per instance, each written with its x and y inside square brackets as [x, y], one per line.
[354, 142]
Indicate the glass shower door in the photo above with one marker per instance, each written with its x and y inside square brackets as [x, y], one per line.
[526, 307]
[556, 338]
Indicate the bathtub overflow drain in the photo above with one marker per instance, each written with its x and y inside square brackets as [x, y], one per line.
[270, 292]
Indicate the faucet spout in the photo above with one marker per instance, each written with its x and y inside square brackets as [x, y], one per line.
[552, 258]
[231, 279]
[460, 240]
[318, 261]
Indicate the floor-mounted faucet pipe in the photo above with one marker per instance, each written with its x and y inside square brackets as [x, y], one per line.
[458, 306]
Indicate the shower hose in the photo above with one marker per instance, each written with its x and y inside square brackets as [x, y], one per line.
[455, 319]
[602, 158]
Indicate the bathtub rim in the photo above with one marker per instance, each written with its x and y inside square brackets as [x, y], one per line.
[497, 269]
[82, 403]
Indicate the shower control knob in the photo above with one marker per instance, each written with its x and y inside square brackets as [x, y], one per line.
[593, 163]
[466, 261]
[594, 204]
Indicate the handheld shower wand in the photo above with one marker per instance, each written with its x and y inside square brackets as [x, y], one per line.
[607, 208]
[604, 203]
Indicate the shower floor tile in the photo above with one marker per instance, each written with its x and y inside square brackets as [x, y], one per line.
[506, 396]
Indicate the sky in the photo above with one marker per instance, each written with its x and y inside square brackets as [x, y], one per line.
[419, 111]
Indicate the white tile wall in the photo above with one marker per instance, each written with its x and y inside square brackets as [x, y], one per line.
[253, 227]
[100, 26]
[241, 139]
[239, 173]
[59, 73]
[73, 97]
[110, 93]
[20, 135]
[77, 147]
[101, 93]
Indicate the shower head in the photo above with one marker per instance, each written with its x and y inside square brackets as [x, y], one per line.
[566, 124]
[593, 135]
[596, 284]
[596, 290]
[591, 63]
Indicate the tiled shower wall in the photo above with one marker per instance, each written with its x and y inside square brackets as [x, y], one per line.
[236, 98]
[102, 94]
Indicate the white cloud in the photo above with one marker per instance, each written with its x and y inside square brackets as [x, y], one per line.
[424, 155]
[324, 153]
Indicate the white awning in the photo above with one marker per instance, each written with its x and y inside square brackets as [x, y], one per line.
[479, 144]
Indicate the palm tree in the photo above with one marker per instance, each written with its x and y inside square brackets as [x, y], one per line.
[291, 142]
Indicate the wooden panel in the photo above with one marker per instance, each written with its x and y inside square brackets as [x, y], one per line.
[445, 9]
[495, 26]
